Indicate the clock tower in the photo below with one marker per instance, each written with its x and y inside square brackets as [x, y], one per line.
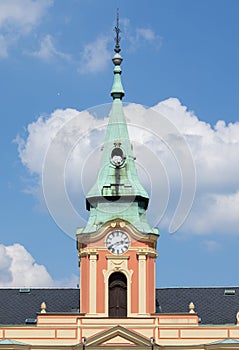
[117, 248]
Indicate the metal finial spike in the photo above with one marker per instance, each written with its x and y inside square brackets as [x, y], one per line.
[117, 31]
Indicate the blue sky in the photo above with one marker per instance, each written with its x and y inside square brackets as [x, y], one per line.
[180, 57]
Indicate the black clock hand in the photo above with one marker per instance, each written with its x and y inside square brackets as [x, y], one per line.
[113, 245]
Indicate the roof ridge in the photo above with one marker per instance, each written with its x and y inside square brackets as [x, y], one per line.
[198, 287]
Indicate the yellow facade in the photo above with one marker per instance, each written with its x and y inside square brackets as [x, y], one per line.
[169, 331]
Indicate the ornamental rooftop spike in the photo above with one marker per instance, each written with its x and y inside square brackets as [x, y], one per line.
[117, 90]
[117, 48]
[117, 192]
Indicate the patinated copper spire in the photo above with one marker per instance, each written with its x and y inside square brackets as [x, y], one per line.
[118, 192]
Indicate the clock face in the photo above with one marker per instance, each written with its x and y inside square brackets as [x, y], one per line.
[117, 160]
[117, 242]
[117, 156]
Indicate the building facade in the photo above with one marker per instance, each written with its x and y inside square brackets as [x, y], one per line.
[117, 306]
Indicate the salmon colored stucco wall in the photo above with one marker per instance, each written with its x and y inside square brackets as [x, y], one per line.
[101, 265]
[133, 265]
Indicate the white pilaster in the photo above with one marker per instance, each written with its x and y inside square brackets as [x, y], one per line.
[142, 282]
[93, 282]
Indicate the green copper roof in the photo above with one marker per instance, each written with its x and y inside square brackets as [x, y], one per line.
[117, 192]
[117, 179]
[225, 341]
[11, 342]
[117, 88]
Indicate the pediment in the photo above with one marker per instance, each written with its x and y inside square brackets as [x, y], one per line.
[118, 339]
[115, 224]
[118, 336]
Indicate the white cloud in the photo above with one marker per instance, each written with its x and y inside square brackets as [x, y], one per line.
[215, 151]
[216, 212]
[41, 133]
[22, 14]
[145, 33]
[47, 50]
[66, 130]
[5, 265]
[95, 56]
[18, 18]
[139, 36]
[19, 269]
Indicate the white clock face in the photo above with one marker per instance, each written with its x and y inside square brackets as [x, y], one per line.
[117, 160]
[117, 242]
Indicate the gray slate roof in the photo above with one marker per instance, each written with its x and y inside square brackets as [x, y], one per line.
[16, 307]
[211, 304]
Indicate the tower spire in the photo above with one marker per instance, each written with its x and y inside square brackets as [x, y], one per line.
[117, 88]
[117, 192]
[117, 48]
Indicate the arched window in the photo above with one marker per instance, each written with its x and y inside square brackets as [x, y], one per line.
[117, 295]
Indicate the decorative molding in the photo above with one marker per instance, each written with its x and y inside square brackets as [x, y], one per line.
[87, 252]
[237, 316]
[43, 307]
[116, 257]
[148, 252]
[191, 307]
[108, 226]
